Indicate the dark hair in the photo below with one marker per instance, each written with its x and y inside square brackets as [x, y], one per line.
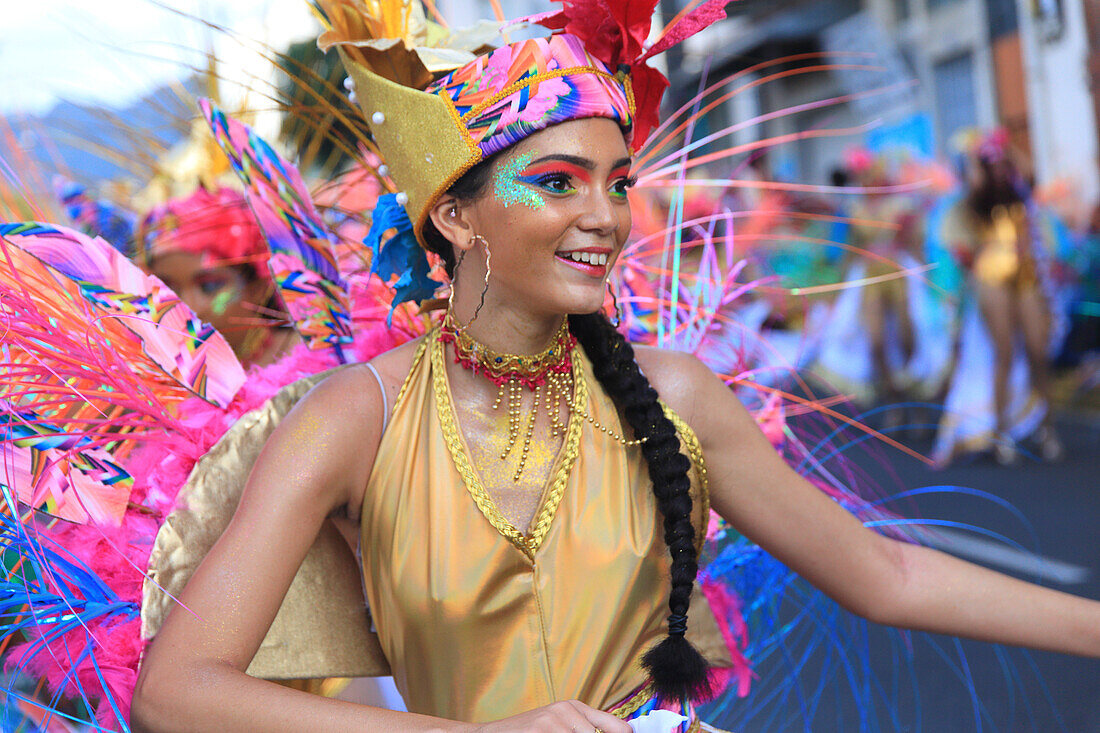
[467, 188]
[676, 668]
[996, 189]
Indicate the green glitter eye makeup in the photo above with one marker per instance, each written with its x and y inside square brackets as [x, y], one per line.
[518, 181]
[512, 187]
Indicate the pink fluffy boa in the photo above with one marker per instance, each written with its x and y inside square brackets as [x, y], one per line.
[119, 556]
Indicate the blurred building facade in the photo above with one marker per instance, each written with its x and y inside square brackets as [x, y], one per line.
[913, 73]
[939, 66]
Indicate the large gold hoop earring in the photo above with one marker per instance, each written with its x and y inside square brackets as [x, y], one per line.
[454, 279]
[477, 238]
[615, 301]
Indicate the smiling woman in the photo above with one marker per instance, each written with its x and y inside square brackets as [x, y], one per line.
[528, 493]
[534, 216]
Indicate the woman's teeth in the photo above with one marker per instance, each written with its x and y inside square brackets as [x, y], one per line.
[590, 257]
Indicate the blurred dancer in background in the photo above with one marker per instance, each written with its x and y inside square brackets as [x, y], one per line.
[208, 248]
[994, 235]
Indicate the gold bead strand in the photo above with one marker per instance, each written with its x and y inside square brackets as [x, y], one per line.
[513, 417]
[529, 433]
[565, 388]
[607, 431]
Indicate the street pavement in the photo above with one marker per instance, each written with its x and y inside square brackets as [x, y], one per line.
[1053, 514]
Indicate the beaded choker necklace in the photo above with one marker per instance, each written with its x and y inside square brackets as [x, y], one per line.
[531, 371]
[549, 374]
[550, 370]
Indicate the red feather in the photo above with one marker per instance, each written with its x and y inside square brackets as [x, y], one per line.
[615, 32]
[634, 19]
[706, 14]
[649, 86]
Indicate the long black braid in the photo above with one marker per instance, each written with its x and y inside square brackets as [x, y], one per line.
[676, 668]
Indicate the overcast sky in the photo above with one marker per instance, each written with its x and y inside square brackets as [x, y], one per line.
[113, 51]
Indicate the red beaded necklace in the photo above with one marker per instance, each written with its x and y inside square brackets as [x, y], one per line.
[549, 374]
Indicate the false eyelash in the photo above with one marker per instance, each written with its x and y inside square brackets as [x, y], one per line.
[547, 178]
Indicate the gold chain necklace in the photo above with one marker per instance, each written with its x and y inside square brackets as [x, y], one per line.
[549, 374]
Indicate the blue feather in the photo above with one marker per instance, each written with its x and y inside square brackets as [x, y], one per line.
[400, 255]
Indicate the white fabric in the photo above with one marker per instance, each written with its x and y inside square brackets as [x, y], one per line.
[385, 401]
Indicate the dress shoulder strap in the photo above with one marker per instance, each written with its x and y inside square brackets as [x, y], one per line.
[420, 349]
[689, 443]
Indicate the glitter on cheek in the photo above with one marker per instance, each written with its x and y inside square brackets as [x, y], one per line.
[223, 299]
[508, 187]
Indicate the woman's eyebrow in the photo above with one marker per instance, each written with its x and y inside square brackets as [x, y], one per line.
[576, 160]
[579, 161]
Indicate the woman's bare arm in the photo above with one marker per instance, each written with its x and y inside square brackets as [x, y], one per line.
[884, 580]
[192, 676]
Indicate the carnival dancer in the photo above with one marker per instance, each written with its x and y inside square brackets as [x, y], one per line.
[883, 342]
[209, 250]
[1000, 391]
[505, 474]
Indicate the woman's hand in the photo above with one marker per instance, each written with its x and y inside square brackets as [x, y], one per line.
[569, 716]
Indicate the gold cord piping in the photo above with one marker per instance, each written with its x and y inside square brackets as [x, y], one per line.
[527, 543]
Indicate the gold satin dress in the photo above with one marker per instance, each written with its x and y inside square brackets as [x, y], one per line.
[480, 621]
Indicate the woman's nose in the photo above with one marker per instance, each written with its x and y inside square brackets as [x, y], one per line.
[600, 214]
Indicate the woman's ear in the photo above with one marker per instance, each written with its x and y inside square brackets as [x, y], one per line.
[453, 222]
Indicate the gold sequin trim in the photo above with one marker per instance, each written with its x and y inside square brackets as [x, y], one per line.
[695, 453]
[527, 543]
[474, 159]
[631, 104]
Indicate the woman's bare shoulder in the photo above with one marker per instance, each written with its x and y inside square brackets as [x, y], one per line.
[680, 379]
[394, 365]
[351, 406]
[353, 390]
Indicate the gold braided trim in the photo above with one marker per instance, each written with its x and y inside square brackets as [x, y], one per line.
[539, 77]
[695, 453]
[634, 702]
[416, 360]
[528, 544]
[640, 698]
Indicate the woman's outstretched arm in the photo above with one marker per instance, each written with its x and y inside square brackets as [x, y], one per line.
[884, 580]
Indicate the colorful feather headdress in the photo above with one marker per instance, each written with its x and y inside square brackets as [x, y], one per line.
[431, 132]
[215, 224]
